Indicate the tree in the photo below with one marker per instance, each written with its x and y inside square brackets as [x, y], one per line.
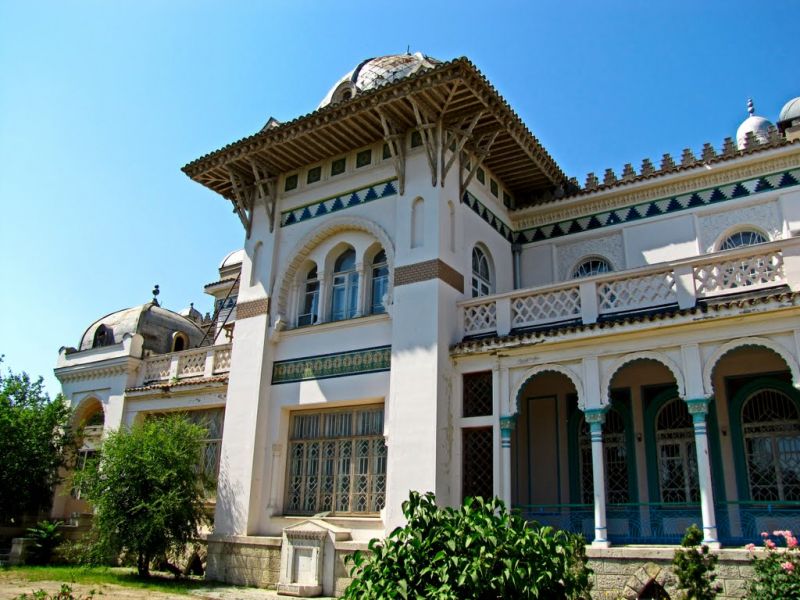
[478, 551]
[146, 488]
[694, 566]
[35, 443]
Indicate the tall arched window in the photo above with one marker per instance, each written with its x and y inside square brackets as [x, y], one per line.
[616, 460]
[418, 223]
[103, 336]
[307, 313]
[481, 273]
[593, 265]
[746, 237]
[677, 458]
[380, 283]
[344, 287]
[179, 341]
[771, 430]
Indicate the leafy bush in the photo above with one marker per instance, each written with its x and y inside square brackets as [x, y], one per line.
[46, 536]
[694, 567]
[479, 551]
[777, 573]
[146, 489]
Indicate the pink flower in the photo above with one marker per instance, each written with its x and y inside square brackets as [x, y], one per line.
[770, 544]
[777, 533]
[750, 547]
[764, 534]
[791, 542]
[787, 566]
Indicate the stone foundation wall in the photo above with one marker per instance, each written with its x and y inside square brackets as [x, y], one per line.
[252, 561]
[623, 573]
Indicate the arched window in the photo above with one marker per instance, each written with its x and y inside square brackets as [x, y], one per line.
[746, 237]
[179, 341]
[418, 223]
[616, 460]
[344, 287]
[103, 336]
[677, 458]
[594, 265]
[380, 283]
[481, 273]
[771, 430]
[307, 313]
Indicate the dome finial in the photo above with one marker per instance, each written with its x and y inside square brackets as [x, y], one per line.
[750, 107]
[156, 292]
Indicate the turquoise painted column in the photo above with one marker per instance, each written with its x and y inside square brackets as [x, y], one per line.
[698, 408]
[595, 417]
[507, 425]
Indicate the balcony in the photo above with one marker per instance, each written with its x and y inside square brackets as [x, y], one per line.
[196, 363]
[681, 284]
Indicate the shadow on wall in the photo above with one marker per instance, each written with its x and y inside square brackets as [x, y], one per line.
[229, 499]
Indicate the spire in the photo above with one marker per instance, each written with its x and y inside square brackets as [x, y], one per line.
[750, 107]
[156, 292]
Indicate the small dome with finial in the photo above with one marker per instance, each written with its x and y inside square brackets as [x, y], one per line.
[758, 126]
[192, 313]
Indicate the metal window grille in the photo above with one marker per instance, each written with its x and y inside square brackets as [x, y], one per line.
[212, 420]
[677, 457]
[337, 462]
[739, 239]
[481, 274]
[477, 394]
[616, 461]
[477, 469]
[771, 429]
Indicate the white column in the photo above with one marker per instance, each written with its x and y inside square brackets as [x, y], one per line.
[507, 424]
[698, 408]
[595, 417]
[362, 302]
[322, 298]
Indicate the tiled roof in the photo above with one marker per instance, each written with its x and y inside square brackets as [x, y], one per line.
[703, 307]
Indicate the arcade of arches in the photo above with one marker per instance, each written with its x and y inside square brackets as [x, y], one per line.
[650, 463]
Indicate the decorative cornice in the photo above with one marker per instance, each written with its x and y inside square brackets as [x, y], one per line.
[429, 269]
[252, 308]
[120, 366]
[332, 204]
[338, 364]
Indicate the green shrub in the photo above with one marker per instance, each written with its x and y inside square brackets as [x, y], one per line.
[694, 567]
[777, 572]
[65, 593]
[479, 551]
[46, 536]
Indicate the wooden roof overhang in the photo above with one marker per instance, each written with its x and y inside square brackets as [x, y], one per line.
[453, 99]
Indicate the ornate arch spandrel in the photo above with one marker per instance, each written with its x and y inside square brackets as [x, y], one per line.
[528, 375]
[719, 353]
[658, 357]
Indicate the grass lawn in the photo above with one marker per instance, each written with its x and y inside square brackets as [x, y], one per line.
[124, 576]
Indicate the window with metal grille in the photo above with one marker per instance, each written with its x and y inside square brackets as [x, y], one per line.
[337, 462]
[616, 460]
[309, 298]
[747, 237]
[594, 265]
[477, 394]
[677, 457]
[481, 273]
[771, 430]
[477, 471]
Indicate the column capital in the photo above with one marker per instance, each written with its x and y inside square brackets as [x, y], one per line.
[698, 407]
[507, 425]
[595, 415]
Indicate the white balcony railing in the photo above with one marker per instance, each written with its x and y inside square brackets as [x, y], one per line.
[679, 283]
[197, 362]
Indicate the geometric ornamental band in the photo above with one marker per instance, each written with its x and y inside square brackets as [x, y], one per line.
[339, 364]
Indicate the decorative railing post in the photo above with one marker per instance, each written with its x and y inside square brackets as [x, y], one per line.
[595, 417]
[698, 408]
[507, 425]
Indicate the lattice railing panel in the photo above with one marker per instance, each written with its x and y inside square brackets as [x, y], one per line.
[156, 369]
[192, 364]
[634, 293]
[558, 305]
[480, 318]
[222, 359]
[764, 269]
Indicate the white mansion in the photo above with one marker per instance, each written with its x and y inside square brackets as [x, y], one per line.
[425, 301]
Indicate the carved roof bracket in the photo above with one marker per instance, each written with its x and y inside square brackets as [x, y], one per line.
[430, 126]
[242, 200]
[456, 137]
[480, 153]
[266, 186]
[395, 137]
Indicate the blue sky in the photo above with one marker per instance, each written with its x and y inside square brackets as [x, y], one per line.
[102, 102]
